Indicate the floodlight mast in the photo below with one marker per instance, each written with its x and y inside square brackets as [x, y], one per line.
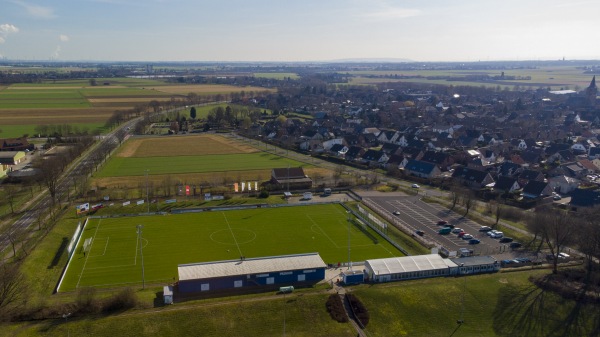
[139, 232]
[147, 200]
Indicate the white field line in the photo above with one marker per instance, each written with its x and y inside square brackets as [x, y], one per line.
[107, 238]
[322, 231]
[233, 235]
[88, 255]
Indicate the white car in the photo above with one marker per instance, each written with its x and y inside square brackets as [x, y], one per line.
[467, 237]
[415, 186]
[457, 230]
[498, 235]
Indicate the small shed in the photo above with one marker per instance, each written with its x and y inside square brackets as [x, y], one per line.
[168, 294]
[353, 276]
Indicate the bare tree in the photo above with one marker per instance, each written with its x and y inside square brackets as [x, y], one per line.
[588, 238]
[10, 194]
[468, 200]
[51, 170]
[556, 229]
[12, 287]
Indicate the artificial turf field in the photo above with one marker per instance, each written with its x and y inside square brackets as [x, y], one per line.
[115, 257]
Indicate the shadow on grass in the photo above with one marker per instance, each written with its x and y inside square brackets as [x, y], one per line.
[533, 311]
[59, 253]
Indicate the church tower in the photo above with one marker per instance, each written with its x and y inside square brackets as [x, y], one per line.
[591, 92]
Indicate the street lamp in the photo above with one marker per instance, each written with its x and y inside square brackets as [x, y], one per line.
[139, 233]
[349, 259]
[66, 316]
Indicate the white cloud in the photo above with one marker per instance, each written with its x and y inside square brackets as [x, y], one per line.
[7, 29]
[35, 10]
[63, 38]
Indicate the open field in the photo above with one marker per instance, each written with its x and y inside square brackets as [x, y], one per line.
[553, 77]
[205, 89]
[114, 258]
[277, 76]
[119, 166]
[182, 146]
[77, 103]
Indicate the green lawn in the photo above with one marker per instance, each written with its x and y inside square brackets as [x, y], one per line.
[122, 167]
[500, 304]
[277, 76]
[304, 316]
[14, 131]
[115, 258]
[28, 99]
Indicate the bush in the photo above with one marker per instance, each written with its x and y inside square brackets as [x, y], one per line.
[123, 300]
[335, 307]
[263, 194]
[86, 300]
[360, 311]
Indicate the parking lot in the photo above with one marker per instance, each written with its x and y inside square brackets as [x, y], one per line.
[417, 215]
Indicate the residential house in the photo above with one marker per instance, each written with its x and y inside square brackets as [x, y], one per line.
[16, 144]
[563, 156]
[391, 149]
[292, 178]
[530, 175]
[536, 189]
[509, 169]
[338, 150]
[397, 160]
[354, 152]
[421, 169]
[331, 142]
[506, 184]
[388, 136]
[585, 197]
[563, 184]
[375, 158]
[472, 177]
[442, 159]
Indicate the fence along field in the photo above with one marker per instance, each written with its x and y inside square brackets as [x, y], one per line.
[114, 256]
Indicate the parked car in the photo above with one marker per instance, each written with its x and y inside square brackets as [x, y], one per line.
[491, 233]
[445, 230]
[467, 237]
[515, 245]
[523, 259]
[495, 234]
[420, 232]
[485, 229]
[457, 230]
[442, 222]
[415, 186]
[461, 234]
[396, 212]
[563, 256]
[474, 241]
[506, 240]
[505, 262]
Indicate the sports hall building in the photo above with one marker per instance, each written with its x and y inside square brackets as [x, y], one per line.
[268, 272]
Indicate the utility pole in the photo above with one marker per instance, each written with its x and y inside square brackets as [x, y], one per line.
[139, 232]
[147, 200]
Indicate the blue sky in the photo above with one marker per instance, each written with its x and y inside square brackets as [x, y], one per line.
[306, 30]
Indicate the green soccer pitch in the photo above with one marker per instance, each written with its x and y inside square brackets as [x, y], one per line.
[115, 254]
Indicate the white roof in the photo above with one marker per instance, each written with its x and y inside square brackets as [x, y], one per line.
[405, 264]
[249, 266]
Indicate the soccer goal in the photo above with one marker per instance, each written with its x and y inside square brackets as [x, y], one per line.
[87, 244]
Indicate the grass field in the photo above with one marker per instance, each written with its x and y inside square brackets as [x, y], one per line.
[119, 167]
[554, 77]
[115, 259]
[277, 76]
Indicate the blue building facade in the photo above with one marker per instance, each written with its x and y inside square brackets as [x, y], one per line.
[268, 271]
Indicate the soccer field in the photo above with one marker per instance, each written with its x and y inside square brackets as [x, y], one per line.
[115, 253]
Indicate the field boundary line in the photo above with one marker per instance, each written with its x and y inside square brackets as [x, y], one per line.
[322, 231]
[88, 255]
[106, 246]
[231, 230]
[119, 266]
[64, 273]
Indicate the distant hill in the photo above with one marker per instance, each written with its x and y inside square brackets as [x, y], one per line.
[372, 60]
